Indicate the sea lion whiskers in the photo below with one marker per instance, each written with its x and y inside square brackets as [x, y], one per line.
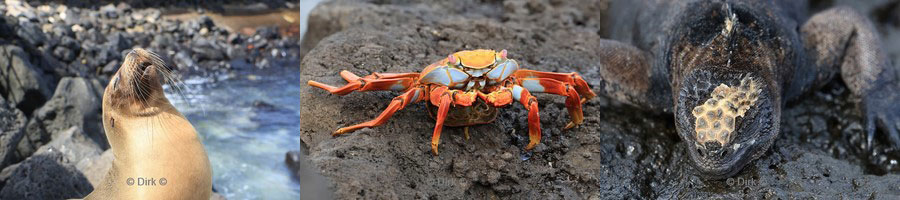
[135, 81]
[142, 66]
[167, 76]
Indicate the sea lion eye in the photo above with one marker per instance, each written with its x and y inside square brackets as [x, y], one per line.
[144, 65]
[115, 81]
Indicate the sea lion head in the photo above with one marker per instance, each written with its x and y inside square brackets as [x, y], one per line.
[138, 82]
[134, 92]
[727, 119]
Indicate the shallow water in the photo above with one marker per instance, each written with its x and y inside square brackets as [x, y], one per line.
[247, 122]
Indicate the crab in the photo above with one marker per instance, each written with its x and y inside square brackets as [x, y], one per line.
[466, 88]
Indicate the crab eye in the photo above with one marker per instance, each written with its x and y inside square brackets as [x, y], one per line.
[451, 60]
[502, 54]
[503, 70]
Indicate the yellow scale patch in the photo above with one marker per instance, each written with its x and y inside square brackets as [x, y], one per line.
[477, 59]
[715, 119]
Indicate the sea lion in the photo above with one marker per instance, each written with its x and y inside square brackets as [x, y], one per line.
[156, 149]
[726, 68]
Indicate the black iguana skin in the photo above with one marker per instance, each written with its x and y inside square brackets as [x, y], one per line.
[667, 56]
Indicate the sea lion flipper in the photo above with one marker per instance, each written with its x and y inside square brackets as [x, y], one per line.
[842, 40]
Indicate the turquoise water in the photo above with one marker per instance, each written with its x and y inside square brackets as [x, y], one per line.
[247, 122]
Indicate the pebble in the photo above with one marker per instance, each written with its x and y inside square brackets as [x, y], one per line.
[506, 156]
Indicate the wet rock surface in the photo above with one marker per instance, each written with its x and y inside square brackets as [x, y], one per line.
[619, 152]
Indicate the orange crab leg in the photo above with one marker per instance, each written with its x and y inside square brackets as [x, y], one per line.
[497, 98]
[443, 108]
[553, 86]
[534, 118]
[504, 96]
[443, 97]
[375, 81]
[398, 103]
[571, 78]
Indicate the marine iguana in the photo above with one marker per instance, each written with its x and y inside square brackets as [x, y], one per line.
[726, 68]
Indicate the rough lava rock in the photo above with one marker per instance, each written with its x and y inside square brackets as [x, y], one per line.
[95, 167]
[74, 39]
[45, 176]
[76, 102]
[74, 144]
[21, 83]
[12, 128]
[619, 152]
[312, 187]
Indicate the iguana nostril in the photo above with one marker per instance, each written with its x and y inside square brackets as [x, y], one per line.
[712, 149]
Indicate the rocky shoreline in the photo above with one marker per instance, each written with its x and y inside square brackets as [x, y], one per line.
[55, 61]
[618, 153]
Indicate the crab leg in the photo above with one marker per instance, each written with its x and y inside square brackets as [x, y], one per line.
[571, 78]
[534, 118]
[504, 96]
[443, 108]
[374, 81]
[553, 86]
[398, 103]
[500, 97]
[443, 97]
